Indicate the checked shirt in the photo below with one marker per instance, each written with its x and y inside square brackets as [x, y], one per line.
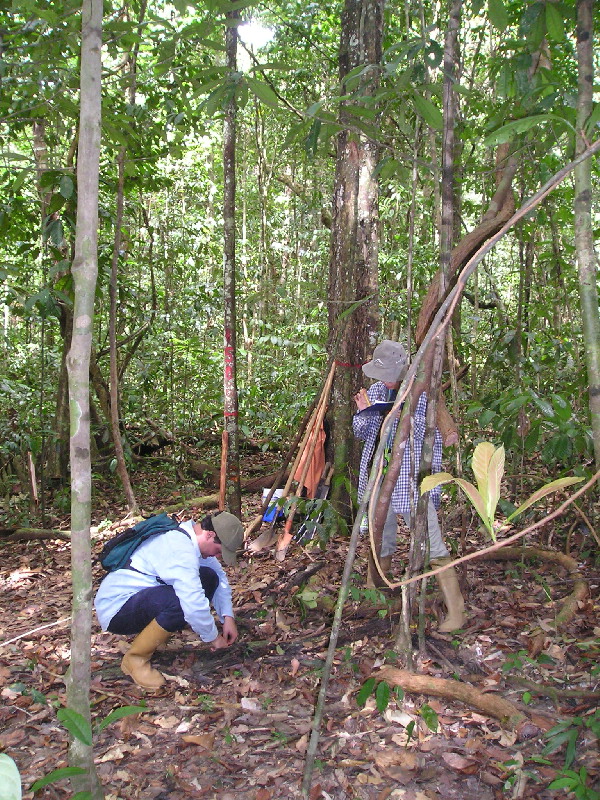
[366, 427]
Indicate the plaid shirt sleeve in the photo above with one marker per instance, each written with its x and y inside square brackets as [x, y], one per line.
[366, 427]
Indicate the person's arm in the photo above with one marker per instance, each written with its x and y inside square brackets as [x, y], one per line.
[173, 558]
[363, 424]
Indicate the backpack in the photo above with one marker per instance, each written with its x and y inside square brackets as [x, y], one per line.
[117, 552]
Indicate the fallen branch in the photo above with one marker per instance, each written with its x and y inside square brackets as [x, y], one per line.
[580, 587]
[492, 705]
[29, 534]
[551, 691]
[35, 630]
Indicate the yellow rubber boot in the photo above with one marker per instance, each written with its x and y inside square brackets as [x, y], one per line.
[136, 661]
[455, 604]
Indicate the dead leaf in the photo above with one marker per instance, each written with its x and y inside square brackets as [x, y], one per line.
[281, 621]
[295, 666]
[205, 740]
[396, 758]
[166, 722]
[302, 743]
[128, 724]
[458, 762]
[250, 705]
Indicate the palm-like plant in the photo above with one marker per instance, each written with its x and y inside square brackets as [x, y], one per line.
[488, 467]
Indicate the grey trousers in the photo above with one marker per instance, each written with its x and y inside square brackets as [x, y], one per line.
[437, 548]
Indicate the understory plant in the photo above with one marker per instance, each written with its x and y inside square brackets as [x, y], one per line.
[488, 468]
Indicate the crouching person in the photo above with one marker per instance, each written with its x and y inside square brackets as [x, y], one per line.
[170, 581]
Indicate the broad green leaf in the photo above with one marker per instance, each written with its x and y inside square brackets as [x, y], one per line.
[542, 492]
[497, 14]
[119, 713]
[366, 690]
[480, 465]
[514, 128]
[554, 23]
[430, 718]
[495, 473]
[430, 113]
[263, 91]
[478, 503]
[76, 724]
[382, 696]
[10, 780]
[354, 306]
[437, 479]
[57, 775]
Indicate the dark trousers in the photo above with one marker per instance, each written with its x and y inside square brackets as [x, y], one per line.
[159, 603]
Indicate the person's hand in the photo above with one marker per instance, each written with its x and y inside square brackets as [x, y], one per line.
[230, 631]
[361, 399]
[219, 643]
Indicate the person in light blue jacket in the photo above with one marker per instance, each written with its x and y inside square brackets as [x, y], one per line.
[170, 582]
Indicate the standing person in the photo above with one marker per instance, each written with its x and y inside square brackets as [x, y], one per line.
[388, 366]
[171, 580]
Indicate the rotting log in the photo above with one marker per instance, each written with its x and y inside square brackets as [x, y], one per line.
[503, 710]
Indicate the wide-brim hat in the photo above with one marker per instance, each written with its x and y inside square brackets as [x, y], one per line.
[231, 535]
[389, 362]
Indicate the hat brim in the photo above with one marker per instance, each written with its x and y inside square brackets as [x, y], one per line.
[388, 375]
[229, 556]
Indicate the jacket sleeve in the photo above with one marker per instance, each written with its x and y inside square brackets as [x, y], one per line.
[173, 558]
[221, 601]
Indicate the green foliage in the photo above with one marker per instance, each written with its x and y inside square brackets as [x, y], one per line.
[518, 660]
[548, 426]
[488, 467]
[80, 728]
[567, 733]
[575, 782]
[382, 693]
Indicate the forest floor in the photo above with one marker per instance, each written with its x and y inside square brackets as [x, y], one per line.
[234, 724]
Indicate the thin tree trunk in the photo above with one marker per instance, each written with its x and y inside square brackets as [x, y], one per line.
[112, 338]
[584, 234]
[233, 490]
[85, 271]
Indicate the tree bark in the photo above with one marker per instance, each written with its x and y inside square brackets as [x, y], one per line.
[353, 265]
[85, 271]
[230, 410]
[584, 234]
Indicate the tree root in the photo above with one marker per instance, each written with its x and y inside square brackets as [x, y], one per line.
[29, 534]
[570, 604]
[492, 705]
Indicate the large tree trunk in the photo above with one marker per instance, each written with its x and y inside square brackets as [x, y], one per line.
[85, 271]
[354, 241]
[584, 234]
[233, 499]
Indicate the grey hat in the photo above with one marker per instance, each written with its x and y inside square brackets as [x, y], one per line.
[389, 362]
[231, 535]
